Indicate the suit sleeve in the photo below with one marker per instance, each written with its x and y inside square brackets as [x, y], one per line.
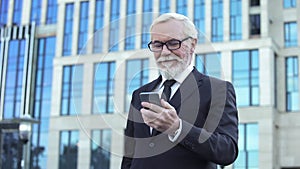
[129, 142]
[221, 144]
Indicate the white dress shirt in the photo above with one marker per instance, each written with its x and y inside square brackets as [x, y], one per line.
[179, 80]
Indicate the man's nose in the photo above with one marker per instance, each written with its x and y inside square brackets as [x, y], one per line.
[165, 50]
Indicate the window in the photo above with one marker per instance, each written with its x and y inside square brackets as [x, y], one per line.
[254, 2]
[99, 22]
[248, 143]
[14, 79]
[103, 87]
[51, 17]
[217, 21]
[235, 20]
[3, 12]
[114, 25]
[164, 6]
[137, 74]
[209, 64]
[83, 27]
[36, 11]
[146, 22]
[246, 77]
[289, 3]
[17, 15]
[290, 34]
[11, 147]
[42, 101]
[292, 83]
[100, 149]
[181, 7]
[68, 149]
[199, 19]
[68, 30]
[72, 90]
[130, 25]
[255, 24]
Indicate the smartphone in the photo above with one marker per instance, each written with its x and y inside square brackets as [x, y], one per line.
[151, 97]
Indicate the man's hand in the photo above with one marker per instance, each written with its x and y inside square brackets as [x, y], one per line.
[163, 119]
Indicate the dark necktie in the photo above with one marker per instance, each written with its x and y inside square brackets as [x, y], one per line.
[166, 96]
[167, 89]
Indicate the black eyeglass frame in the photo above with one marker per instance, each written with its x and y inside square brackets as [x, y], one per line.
[166, 43]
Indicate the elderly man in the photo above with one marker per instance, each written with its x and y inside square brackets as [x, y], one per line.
[195, 124]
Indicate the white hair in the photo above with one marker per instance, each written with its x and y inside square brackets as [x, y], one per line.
[189, 27]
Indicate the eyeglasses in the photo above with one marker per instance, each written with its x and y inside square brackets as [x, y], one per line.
[173, 44]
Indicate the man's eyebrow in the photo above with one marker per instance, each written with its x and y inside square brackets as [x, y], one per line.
[164, 41]
[155, 41]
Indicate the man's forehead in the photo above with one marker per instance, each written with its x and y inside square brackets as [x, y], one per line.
[169, 29]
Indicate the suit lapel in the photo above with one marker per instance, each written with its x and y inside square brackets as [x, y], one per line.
[190, 85]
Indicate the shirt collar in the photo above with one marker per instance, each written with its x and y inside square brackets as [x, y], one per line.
[181, 76]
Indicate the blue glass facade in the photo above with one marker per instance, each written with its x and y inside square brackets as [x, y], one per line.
[164, 6]
[68, 30]
[103, 88]
[130, 25]
[248, 143]
[51, 17]
[245, 71]
[68, 149]
[289, 3]
[99, 22]
[14, 79]
[100, 69]
[137, 74]
[83, 27]
[36, 11]
[146, 22]
[199, 19]
[290, 34]
[292, 83]
[4, 12]
[209, 64]
[17, 15]
[42, 101]
[114, 25]
[100, 149]
[181, 7]
[71, 100]
[217, 21]
[235, 20]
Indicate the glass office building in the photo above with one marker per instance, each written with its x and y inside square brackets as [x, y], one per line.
[73, 65]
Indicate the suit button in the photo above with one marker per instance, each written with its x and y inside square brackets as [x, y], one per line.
[151, 145]
[187, 143]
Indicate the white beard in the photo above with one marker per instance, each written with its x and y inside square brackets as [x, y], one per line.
[170, 69]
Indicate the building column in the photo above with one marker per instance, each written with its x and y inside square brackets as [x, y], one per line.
[266, 76]
[208, 15]
[226, 19]
[245, 20]
[84, 149]
[60, 29]
[76, 16]
[226, 65]
[91, 22]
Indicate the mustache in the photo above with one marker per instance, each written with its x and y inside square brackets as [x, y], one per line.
[168, 58]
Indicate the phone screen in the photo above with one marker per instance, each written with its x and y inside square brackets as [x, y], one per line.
[151, 97]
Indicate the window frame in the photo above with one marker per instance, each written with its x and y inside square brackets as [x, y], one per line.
[295, 75]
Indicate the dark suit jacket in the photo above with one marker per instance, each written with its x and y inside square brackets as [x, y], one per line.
[209, 134]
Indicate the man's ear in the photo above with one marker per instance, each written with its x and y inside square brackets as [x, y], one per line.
[193, 45]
